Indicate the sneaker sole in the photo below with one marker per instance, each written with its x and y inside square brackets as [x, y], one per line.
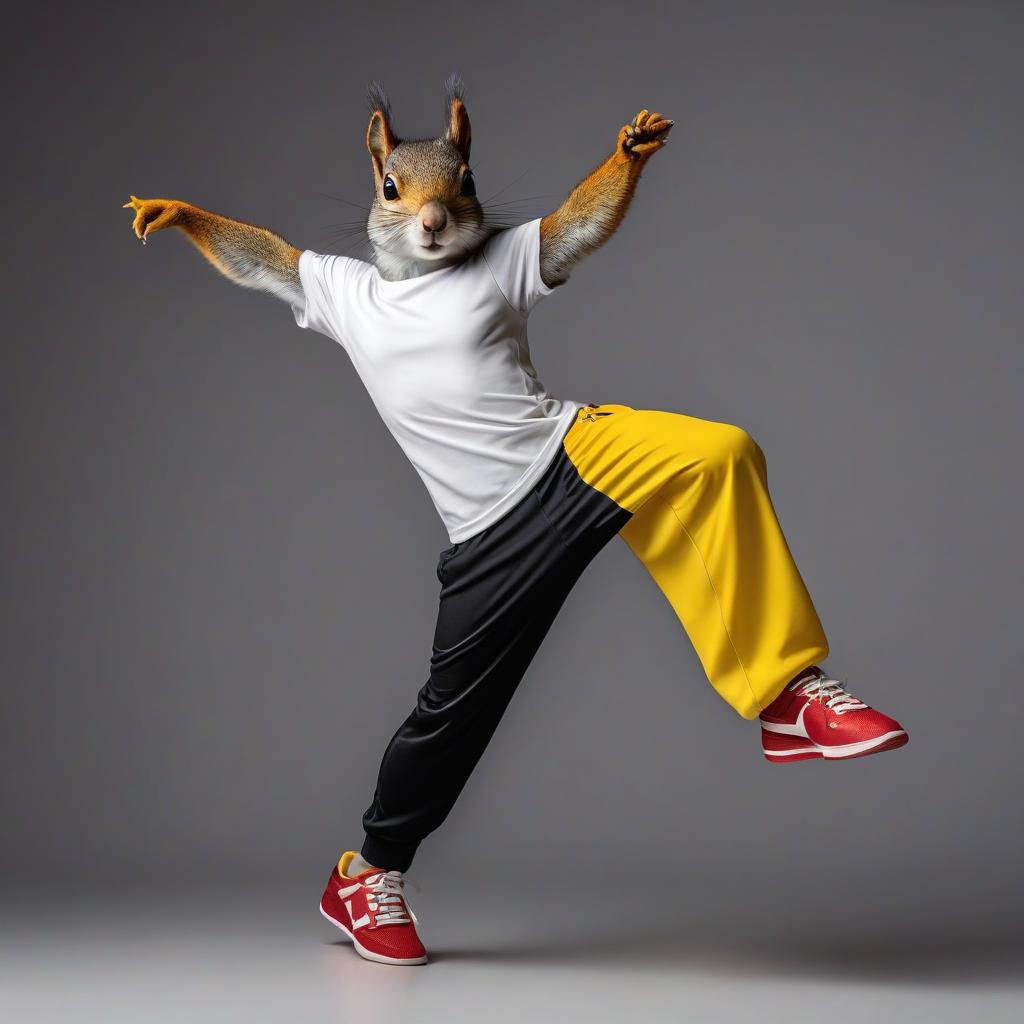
[368, 954]
[798, 748]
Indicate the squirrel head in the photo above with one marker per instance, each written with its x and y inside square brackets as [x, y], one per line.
[425, 212]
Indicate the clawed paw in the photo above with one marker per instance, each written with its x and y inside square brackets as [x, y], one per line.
[151, 215]
[647, 133]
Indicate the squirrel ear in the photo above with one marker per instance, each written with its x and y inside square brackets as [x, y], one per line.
[380, 140]
[459, 134]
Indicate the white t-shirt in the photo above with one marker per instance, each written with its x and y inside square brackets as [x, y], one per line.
[446, 361]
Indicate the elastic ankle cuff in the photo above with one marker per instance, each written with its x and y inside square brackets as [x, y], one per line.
[382, 853]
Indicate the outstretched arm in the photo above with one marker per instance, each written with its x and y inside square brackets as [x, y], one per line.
[251, 256]
[596, 206]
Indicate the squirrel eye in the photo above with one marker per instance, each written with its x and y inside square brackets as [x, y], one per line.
[390, 188]
[468, 185]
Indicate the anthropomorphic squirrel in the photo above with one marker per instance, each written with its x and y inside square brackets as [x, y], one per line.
[425, 213]
[529, 486]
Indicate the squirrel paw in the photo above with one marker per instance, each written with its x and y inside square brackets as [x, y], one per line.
[647, 133]
[152, 215]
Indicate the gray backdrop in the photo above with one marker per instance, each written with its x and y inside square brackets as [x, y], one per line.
[218, 569]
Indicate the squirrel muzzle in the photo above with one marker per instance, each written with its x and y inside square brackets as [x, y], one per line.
[433, 217]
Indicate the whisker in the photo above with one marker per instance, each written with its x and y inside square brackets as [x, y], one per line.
[345, 229]
[507, 187]
[349, 248]
[343, 239]
[524, 199]
[359, 206]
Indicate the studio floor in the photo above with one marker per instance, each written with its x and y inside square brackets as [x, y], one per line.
[635, 945]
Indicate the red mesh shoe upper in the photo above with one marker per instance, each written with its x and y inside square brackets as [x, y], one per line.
[372, 907]
[397, 940]
[821, 709]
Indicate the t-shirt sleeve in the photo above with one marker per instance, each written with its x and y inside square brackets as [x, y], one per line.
[513, 256]
[326, 287]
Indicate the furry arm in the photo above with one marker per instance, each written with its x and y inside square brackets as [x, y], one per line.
[596, 206]
[249, 255]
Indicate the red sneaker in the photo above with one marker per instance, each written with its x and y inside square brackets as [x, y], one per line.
[371, 910]
[815, 717]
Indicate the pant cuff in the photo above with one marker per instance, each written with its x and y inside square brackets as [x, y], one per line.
[812, 657]
[384, 853]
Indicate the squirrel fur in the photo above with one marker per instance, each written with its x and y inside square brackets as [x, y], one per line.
[425, 214]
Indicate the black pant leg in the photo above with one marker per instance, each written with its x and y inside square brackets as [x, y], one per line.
[501, 591]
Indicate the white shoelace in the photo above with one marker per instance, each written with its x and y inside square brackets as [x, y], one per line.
[387, 900]
[830, 692]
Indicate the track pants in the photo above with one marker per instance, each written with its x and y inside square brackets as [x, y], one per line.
[690, 498]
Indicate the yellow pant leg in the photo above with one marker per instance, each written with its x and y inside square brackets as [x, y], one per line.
[704, 526]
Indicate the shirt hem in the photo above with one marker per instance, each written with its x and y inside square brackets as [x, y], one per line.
[523, 485]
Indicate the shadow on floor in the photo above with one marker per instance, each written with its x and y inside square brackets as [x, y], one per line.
[934, 956]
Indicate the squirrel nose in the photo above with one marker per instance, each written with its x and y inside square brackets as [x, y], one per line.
[433, 216]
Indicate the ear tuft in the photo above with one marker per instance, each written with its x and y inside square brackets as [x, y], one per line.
[380, 139]
[455, 114]
[377, 99]
[454, 89]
